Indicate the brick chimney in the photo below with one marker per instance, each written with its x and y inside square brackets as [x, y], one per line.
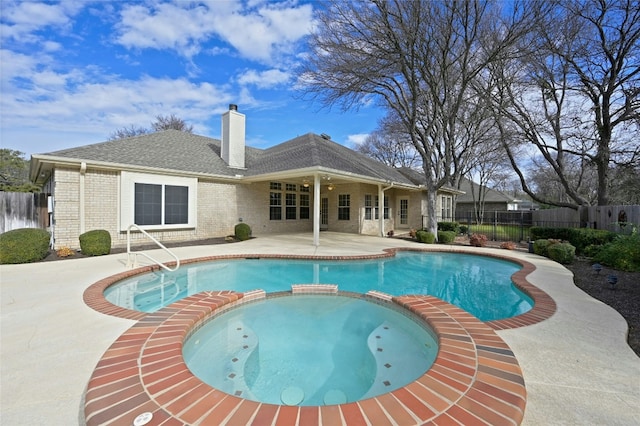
[233, 138]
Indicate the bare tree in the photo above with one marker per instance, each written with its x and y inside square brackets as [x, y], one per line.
[128, 132]
[167, 122]
[418, 59]
[574, 95]
[163, 122]
[390, 145]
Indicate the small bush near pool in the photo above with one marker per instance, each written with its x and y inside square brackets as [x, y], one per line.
[242, 231]
[95, 243]
[446, 237]
[622, 254]
[561, 252]
[478, 240]
[540, 247]
[425, 237]
[24, 245]
[449, 226]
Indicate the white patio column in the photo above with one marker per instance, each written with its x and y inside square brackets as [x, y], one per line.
[316, 210]
[381, 209]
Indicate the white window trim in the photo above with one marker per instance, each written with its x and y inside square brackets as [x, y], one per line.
[127, 198]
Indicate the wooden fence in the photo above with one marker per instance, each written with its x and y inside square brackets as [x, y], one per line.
[23, 210]
[613, 218]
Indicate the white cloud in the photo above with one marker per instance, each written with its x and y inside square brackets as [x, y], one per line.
[22, 19]
[167, 26]
[264, 79]
[357, 138]
[262, 33]
[78, 103]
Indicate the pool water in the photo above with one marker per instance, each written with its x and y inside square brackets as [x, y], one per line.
[310, 350]
[478, 284]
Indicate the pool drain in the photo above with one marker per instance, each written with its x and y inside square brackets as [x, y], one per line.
[335, 397]
[292, 396]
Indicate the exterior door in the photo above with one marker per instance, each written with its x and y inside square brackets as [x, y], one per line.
[324, 213]
[403, 213]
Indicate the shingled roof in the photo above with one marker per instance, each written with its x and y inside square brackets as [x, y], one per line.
[312, 150]
[189, 153]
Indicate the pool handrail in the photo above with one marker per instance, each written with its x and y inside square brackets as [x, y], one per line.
[134, 264]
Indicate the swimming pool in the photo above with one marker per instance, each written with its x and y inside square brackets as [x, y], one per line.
[478, 284]
[310, 350]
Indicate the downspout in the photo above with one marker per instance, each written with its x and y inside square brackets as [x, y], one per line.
[381, 191]
[83, 171]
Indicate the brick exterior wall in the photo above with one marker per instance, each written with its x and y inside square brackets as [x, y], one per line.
[66, 217]
[220, 206]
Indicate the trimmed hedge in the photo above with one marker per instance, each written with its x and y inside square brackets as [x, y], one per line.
[540, 247]
[580, 238]
[95, 243]
[242, 231]
[24, 245]
[561, 252]
[425, 237]
[446, 237]
[449, 226]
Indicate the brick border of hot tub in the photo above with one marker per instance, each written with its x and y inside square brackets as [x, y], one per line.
[544, 306]
[475, 378]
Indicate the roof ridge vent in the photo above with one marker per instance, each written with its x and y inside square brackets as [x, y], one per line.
[325, 136]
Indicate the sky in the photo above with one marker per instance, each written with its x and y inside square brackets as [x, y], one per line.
[72, 72]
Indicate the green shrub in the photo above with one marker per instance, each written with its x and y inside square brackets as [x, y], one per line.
[95, 243]
[561, 252]
[622, 254]
[425, 237]
[449, 226]
[446, 237]
[540, 247]
[581, 238]
[464, 229]
[242, 231]
[24, 245]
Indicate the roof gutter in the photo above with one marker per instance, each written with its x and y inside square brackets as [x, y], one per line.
[38, 162]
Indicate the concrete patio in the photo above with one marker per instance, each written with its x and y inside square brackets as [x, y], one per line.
[577, 366]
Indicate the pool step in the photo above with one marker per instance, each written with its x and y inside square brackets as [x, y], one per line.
[243, 341]
[388, 347]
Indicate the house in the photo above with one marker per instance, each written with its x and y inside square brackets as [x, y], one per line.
[475, 194]
[179, 186]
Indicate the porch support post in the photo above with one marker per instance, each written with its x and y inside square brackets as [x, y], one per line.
[316, 210]
[381, 209]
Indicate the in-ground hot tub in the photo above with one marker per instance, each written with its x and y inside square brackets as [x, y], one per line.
[311, 350]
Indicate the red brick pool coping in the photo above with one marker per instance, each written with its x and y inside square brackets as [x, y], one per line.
[475, 379]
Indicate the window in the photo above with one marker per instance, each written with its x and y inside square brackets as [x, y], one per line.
[148, 204]
[290, 199]
[368, 207]
[275, 206]
[344, 204]
[157, 202]
[446, 202]
[176, 204]
[371, 210]
[386, 207]
[304, 206]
